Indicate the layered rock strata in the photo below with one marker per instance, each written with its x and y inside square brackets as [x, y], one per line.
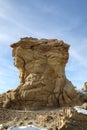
[43, 83]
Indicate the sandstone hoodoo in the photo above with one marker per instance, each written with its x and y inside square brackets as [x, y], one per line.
[43, 83]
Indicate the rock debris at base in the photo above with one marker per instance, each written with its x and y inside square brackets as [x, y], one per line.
[56, 119]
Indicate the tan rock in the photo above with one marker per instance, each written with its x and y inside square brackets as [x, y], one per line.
[43, 83]
[84, 86]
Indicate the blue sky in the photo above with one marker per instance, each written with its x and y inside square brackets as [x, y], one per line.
[61, 19]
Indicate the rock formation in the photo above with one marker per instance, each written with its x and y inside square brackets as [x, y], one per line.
[43, 83]
[2, 99]
[84, 88]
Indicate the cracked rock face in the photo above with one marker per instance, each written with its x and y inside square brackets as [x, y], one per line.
[43, 83]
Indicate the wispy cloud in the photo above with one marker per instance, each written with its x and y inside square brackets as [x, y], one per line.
[5, 38]
[77, 66]
[8, 76]
[40, 19]
[77, 56]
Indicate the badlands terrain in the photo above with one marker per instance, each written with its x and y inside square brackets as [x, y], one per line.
[45, 97]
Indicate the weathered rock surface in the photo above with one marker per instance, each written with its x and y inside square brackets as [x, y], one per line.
[84, 88]
[72, 120]
[56, 119]
[2, 99]
[43, 83]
